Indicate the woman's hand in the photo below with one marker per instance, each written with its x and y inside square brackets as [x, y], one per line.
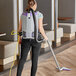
[20, 39]
[46, 38]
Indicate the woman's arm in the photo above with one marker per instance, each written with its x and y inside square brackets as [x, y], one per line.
[19, 30]
[41, 29]
[20, 26]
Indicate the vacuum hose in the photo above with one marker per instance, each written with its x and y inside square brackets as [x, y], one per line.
[37, 34]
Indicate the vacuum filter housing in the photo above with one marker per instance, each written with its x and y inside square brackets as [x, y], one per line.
[28, 25]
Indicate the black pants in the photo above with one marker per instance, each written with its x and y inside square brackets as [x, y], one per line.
[25, 47]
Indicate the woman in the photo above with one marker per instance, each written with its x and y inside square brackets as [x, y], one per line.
[27, 43]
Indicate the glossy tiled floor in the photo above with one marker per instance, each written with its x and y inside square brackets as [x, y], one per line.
[66, 58]
[47, 67]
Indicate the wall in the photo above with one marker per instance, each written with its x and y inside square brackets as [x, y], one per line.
[75, 11]
[8, 17]
[67, 9]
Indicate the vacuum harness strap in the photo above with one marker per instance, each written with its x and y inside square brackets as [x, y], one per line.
[38, 36]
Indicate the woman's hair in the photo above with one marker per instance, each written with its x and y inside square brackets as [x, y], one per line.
[30, 4]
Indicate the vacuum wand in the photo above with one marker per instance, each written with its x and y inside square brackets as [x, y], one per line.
[58, 67]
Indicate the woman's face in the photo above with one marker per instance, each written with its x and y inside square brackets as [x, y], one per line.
[35, 6]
